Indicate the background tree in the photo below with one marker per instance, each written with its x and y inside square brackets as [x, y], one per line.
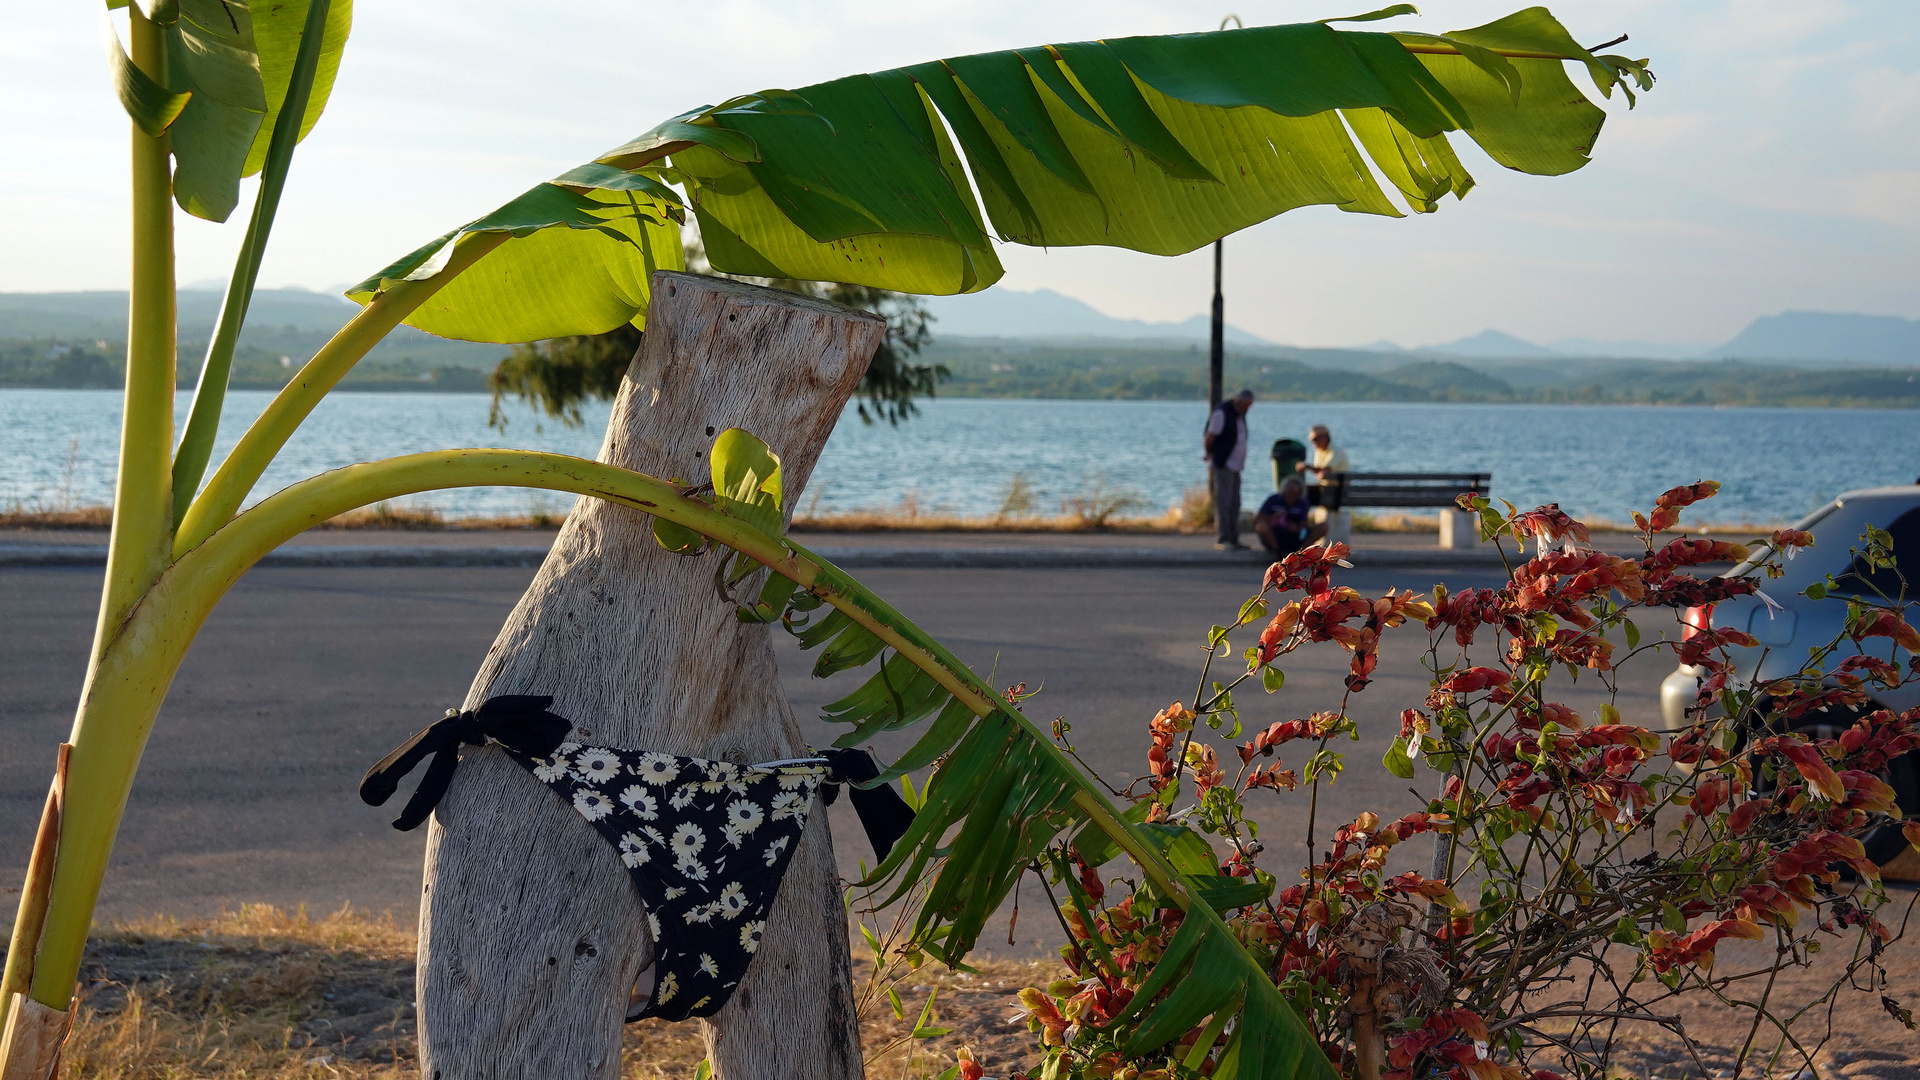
[560, 374]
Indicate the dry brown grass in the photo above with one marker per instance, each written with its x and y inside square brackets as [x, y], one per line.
[893, 521]
[426, 519]
[84, 517]
[267, 994]
[1394, 523]
[377, 516]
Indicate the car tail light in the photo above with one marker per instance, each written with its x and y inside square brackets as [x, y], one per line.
[1695, 621]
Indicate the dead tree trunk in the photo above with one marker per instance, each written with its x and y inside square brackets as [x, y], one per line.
[531, 933]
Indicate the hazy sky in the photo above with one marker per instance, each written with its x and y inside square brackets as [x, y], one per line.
[1775, 166]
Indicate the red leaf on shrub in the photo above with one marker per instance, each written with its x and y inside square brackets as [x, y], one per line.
[1709, 796]
[1746, 814]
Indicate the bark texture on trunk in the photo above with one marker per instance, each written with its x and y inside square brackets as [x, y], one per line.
[531, 933]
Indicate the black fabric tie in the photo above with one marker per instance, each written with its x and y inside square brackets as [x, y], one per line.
[518, 721]
[883, 813]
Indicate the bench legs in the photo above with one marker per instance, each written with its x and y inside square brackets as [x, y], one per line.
[1339, 524]
[1459, 530]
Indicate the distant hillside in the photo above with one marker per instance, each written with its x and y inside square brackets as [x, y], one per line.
[1455, 381]
[1130, 370]
[1645, 350]
[281, 322]
[1827, 337]
[1045, 314]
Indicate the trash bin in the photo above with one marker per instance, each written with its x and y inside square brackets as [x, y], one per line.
[1286, 454]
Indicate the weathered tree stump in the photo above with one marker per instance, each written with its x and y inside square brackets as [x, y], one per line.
[531, 933]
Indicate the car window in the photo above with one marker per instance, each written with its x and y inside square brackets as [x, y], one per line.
[1805, 524]
[1861, 580]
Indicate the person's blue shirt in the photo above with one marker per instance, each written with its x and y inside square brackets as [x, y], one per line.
[1277, 512]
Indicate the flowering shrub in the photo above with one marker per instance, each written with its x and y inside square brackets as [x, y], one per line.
[1606, 862]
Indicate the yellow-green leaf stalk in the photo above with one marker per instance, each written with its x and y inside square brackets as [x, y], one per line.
[142, 509]
[256, 449]
[132, 676]
[196, 444]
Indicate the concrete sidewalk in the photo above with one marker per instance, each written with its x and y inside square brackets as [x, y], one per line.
[863, 550]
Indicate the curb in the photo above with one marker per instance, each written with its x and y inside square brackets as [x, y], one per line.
[1117, 558]
[862, 558]
[96, 555]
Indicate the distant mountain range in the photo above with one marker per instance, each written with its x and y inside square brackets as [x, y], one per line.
[1046, 315]
[1494, 345]
[1828, 338]
[1823, 339]
[282, 322]
[295, 322]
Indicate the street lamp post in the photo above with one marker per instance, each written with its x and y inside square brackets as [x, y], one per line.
[1217, 354]
[1217, 351]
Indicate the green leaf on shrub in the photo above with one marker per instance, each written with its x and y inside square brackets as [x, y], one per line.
[1633, 633]
[1397, 761]
[1672, 919]
[1273, 679]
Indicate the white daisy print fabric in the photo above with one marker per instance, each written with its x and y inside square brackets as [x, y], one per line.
[706, 842]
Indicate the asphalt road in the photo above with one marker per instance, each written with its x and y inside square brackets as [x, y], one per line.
[304, 677]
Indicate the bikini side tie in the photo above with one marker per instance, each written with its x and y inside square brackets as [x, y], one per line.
[517, 721]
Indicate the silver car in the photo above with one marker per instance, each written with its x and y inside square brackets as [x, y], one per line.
[1785, 632]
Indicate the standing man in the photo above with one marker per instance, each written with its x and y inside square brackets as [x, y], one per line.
[1225, 443]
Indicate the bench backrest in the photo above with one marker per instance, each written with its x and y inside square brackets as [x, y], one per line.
[1402, 489]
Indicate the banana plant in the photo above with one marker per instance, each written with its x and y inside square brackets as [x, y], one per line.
[1158, 144]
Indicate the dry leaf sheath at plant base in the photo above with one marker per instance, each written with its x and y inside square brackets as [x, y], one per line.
[1155, 144]
[1610, 863]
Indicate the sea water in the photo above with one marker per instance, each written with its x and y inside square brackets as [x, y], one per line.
[961, 455]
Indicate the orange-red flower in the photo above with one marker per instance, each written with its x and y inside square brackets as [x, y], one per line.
[1878, 622]
[1669, 950]
[1549, 523]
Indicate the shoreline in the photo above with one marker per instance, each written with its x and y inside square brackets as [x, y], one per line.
[404, 386]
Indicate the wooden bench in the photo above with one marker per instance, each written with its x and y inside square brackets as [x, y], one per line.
[1458, 529]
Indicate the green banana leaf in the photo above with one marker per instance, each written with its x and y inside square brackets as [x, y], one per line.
[1157, 144]
[228, 63]
[582, 250]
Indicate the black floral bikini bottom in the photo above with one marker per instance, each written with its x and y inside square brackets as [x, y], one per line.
[707, 843]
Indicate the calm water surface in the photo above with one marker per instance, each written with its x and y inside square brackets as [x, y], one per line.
[57, 447]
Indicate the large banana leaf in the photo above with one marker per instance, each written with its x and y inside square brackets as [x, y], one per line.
[583, 248]
[227, 63]
[1158, 144]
